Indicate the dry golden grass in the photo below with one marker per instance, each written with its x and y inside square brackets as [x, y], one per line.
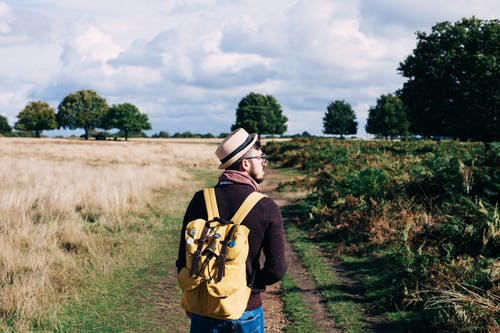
[68, 205]
[467, 306]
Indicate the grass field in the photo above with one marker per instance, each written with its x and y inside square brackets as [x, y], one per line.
[75, 213]
[89, 233]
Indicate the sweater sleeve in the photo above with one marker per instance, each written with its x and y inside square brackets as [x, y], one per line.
[273, 247]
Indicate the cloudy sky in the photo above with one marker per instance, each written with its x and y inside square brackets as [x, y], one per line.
[187, 63]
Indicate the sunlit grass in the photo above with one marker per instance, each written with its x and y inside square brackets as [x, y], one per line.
[73, 209]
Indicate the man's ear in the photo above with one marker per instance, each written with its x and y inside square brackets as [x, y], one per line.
[245, 165]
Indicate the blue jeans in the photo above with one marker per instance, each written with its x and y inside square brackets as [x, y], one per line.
[250, 322]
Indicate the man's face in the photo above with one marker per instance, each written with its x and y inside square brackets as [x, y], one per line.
[257, 164]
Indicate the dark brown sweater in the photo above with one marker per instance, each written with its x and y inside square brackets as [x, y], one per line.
[266, 235]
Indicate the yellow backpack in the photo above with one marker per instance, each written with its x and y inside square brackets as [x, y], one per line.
[214, 280]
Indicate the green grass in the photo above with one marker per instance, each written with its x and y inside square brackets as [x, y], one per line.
[297, 312]
[377, 282]
[347, 313]
[127, 300]
[208, 178]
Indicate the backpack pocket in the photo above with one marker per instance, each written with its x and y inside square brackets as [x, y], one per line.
[186, 282]
[235, 277]
[238, 243]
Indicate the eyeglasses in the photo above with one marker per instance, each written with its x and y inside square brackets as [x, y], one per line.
[262, 157]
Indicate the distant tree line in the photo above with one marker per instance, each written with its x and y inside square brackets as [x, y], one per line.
[83, 109]
[187, 134]
[452, 91]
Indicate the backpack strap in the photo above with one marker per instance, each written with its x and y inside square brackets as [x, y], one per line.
[238, 217]
[211, 203]
[246, 207]
[212, 212]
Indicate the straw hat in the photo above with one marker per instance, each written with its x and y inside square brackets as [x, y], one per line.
[234, 146]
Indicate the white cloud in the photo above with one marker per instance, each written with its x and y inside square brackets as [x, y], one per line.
[219, 63]
[187, 63]
[5, 18]
[89, 45]
[14, 99]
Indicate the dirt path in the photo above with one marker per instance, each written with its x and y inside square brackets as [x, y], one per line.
[273, 306]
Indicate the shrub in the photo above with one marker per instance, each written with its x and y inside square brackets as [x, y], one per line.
[431, 207]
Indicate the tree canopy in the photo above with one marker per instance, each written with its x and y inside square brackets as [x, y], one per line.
[388, 117]
[4, 125]
[82, 109]
[127, 118]
[454, 80]
[260, 114]
[340, 119]
[37, 117]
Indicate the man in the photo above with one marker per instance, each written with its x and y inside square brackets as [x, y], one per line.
[244, 168]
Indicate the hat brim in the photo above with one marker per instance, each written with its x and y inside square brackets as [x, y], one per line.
[240, 153]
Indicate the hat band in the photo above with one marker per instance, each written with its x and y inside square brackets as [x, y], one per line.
[237, 150]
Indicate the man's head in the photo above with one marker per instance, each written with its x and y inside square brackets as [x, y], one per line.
[242, 152]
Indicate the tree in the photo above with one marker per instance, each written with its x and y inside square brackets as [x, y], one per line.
[83, 109]
[4, 125]
[260, 114]
[161, 134]
[127, 118]
[36, 116]
[387, 118]
[454, 81]
[340, 119]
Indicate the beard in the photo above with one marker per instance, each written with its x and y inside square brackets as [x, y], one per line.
[258, 180]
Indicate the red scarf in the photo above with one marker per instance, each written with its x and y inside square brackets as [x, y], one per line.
[238, 177]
